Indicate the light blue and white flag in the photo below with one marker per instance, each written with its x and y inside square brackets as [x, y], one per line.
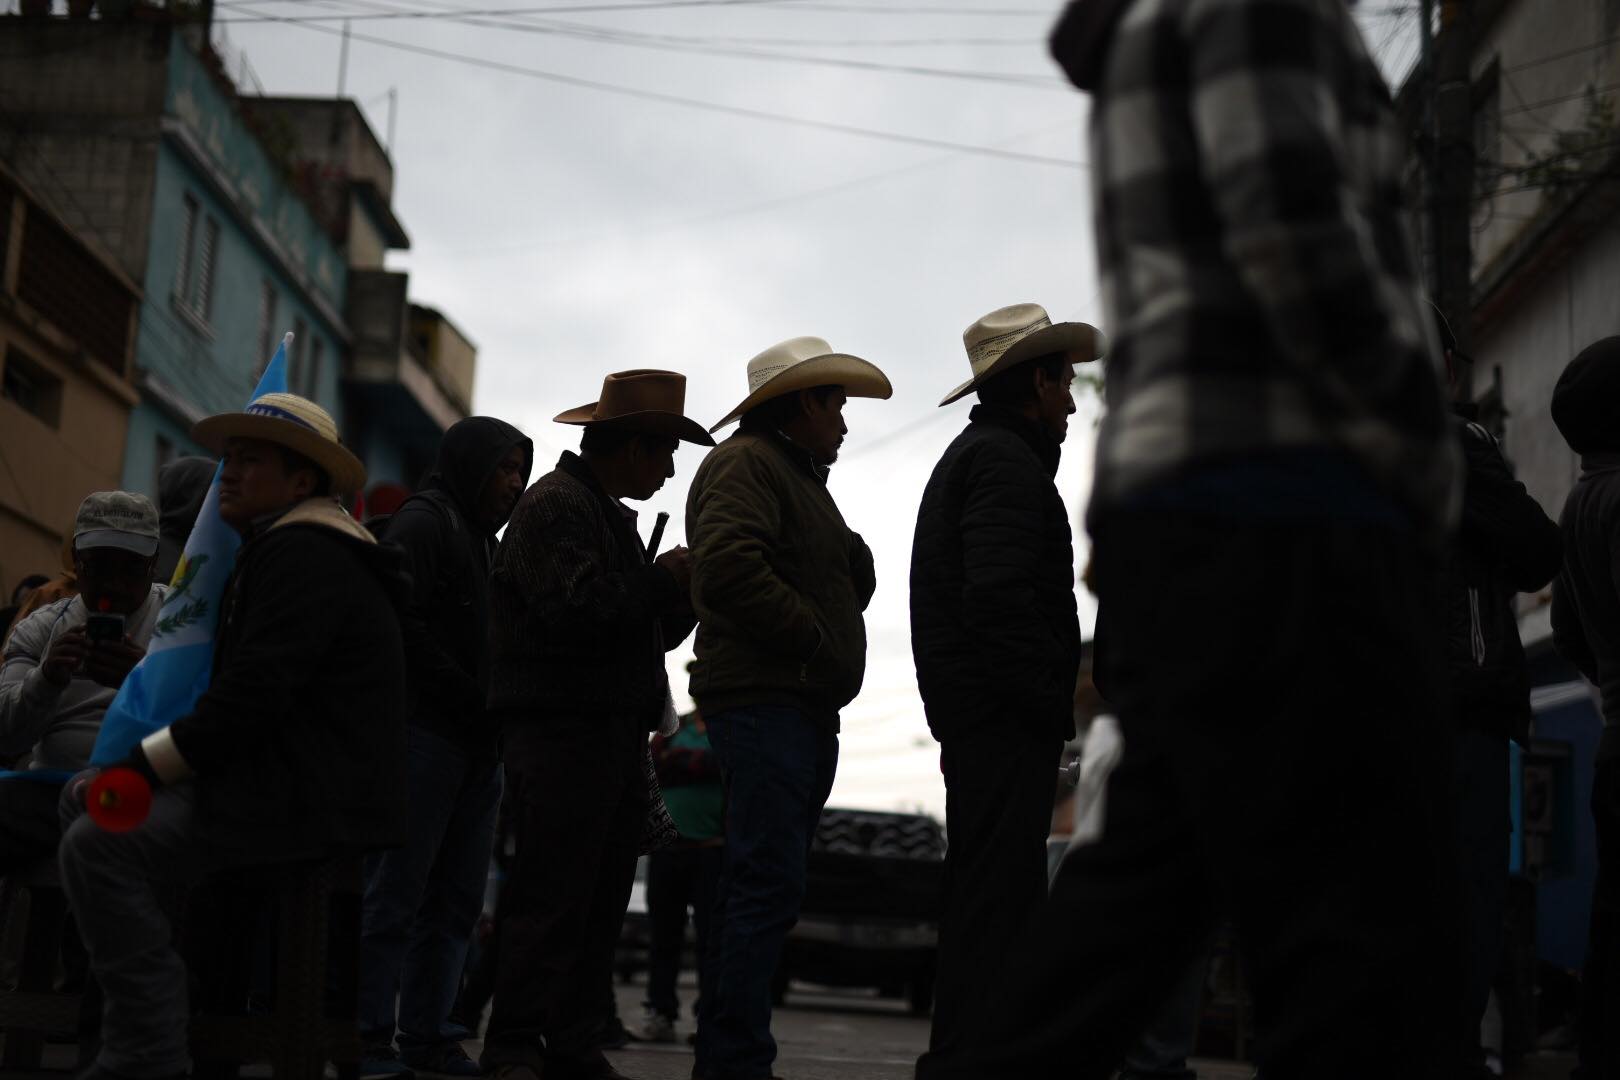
[179, 661]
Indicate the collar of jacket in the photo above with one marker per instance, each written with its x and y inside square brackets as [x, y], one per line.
[1467, 410]
[800, 457]
[1046, 448]
[1606, 461]
[575, 466]
[1080, 41]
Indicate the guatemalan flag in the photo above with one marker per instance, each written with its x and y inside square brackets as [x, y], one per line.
[179, 661]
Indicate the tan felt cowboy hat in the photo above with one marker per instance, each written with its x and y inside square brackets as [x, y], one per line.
[802, 363]
[1011, 335]
[642, 400]
[294, 422]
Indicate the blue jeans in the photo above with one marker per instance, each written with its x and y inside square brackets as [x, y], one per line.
[422, 900]
[778, 766]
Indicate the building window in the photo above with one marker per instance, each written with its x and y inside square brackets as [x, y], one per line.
[267, 329]
[164, 452]
[312, 381]
[295, 359]
[32, 388]
[195, 265]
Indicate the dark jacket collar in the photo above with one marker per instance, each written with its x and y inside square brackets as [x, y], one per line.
[1604, 461]
[1080, 41]
[1466, 410]
[802, 459]
[1046, 448]
[575, 466]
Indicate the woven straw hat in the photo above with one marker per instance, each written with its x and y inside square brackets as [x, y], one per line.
[294, 422]
[1011, 335]
[644, 400]
[802, 363]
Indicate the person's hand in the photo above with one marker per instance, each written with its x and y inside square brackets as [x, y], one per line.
[64, 658]
[110, 662]
[678, 561]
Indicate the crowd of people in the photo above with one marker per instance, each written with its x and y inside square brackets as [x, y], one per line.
[1307, 570]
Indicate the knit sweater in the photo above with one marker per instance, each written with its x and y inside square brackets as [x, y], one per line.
[581, 619]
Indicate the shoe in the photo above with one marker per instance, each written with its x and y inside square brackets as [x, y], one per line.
[380, 1061]
[445, 1059]
[613, 1036]
[655, 1027]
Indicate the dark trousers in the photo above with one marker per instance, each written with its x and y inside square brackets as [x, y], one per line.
[778, 766]
[30, 825]
[999, 787]
[1482, 844]
[423, 898]
[678, 878]
[578, 795]
[1600, 980]
[1280, 686]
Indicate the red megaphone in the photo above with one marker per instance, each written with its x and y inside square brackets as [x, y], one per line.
[119, 799]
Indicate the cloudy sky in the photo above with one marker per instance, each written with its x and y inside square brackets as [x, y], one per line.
[594, 185]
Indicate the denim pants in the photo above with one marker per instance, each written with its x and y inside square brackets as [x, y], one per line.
[778, 765]
[422, 900]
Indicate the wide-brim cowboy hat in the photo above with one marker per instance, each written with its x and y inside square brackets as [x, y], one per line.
[802, 363]
[294, 422]
[1011, 335]
[645, 400]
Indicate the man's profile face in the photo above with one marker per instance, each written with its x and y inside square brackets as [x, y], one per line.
[652, 459]
[254, 481]
[120, 579]
[502, 489]
[1054, 400]
[823, 430]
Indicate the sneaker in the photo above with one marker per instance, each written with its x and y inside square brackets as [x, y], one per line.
[380, 1061]
[655, 1027]
[445, 1059]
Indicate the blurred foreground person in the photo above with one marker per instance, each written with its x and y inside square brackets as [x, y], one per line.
[1275, 479]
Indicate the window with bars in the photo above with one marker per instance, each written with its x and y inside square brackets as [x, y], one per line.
[189, 210]
[312, 385]
[202, 297]
[196, 262]
[295, 360]
[267, 329]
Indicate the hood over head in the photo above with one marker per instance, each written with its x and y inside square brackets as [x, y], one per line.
[182, 487]
[1586, 401]
[469, 452]
[1080, 40]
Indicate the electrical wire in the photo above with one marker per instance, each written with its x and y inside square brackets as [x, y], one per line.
[697, 103]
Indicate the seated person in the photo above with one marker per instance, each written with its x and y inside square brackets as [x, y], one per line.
[64, 663]
[295, 751]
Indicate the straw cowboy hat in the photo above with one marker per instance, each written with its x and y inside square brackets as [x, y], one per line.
[645, 400]
[802, 363]
[1011, 335]
[294, 422]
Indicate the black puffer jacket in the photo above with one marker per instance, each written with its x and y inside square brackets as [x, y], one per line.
[448, 554]
[1506, 545]
[994, 631]
[298, 744]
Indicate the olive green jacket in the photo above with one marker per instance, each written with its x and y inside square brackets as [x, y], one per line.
[779, 582]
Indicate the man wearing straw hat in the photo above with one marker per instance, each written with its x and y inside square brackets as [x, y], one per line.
[581, 620]
[995, 637]
[295, 751]
[779, 582]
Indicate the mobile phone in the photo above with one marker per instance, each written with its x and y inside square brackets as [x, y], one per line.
[101, 626]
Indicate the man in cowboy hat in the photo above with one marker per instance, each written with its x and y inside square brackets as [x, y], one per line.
[581, 622]
[779, 582]
[996, 639]
[294, 752]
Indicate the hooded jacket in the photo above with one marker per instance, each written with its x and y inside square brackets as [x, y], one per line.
[1507, 545]
[994, 630]
[1586, 595]
[297, 747]
[448, 554]
[182, 486]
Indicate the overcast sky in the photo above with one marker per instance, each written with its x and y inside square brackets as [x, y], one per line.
[572, 231]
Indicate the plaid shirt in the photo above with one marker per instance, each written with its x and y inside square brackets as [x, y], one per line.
[1258, 281]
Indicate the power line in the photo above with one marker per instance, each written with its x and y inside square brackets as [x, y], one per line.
[1565, 55]
[697, 103]
[1598, 91]
[605, 35]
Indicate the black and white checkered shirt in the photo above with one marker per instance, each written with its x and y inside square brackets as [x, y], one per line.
[1260, 288]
